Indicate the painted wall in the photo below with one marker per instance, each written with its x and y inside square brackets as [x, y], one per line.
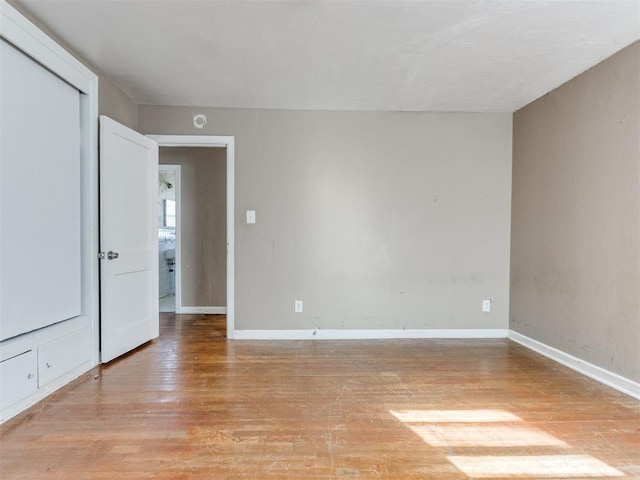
[575, 251]
[374, 220]
[115, 104]
[203, 194]
[111, 100]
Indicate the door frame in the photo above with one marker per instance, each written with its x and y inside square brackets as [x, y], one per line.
[212, 141]
[175, 169]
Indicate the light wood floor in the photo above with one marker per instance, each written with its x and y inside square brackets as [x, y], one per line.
[193, 405]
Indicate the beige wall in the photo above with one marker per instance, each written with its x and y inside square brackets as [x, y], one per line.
[111, 100]
[575, 261]
[374, 220]
[203, 223]
[115, 104]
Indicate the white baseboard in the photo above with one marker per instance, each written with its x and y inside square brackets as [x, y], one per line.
[203, 310]
[365, 334]
[611, 379]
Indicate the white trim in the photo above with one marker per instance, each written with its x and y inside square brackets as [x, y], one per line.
[607, 377]
[19, 31]
[175, 169]
[192, 140]
[90, 215]
[366, 334]
[228, 143]
[231, 256]
[203, 310]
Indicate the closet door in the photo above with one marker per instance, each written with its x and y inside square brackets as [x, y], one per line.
[40, 250]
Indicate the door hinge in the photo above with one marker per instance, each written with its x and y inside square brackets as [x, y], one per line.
[101, 255]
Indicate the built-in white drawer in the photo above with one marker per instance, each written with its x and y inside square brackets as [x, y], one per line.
[18, 378]
[63, 355]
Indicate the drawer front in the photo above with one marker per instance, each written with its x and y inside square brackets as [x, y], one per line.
[63, 355]
[18, 378]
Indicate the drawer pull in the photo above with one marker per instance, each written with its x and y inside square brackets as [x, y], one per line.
[48, 365]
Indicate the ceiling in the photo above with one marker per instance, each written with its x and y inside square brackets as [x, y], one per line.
[430, 55]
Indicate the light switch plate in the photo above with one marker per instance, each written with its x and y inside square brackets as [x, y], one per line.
[297, 308]
[486, 305]
[251, 216]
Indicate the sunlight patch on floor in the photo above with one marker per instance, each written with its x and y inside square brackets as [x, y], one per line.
[485, 436]
[500, 429]
[455, 416]
[546, 466]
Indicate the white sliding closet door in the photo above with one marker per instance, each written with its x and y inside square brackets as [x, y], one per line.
[40, 236]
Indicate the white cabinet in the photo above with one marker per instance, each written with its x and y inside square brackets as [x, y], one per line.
[18, 378]
[37, 363]
[62, 355]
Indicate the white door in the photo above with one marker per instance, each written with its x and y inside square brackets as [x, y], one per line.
[128, 239]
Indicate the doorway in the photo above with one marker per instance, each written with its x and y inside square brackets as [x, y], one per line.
[169, 238]
[226, 145]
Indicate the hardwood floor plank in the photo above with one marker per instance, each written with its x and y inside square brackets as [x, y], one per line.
[192, 405]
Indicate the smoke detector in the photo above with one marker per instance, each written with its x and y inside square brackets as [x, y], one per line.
[199, 121]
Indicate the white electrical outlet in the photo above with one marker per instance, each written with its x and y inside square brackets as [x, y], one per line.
[486, 305]
[298, 306]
